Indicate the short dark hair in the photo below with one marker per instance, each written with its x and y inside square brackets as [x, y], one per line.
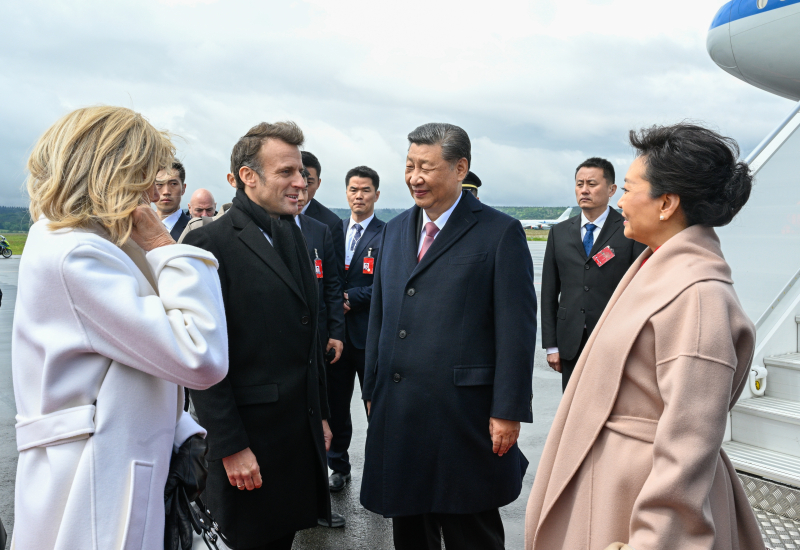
[176, 165]
[311, 161]
[363, 172]
[453, 139]
[700, 166]
[245, 152]
[603, 164]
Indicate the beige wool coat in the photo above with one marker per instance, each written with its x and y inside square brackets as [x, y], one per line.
[634, 454]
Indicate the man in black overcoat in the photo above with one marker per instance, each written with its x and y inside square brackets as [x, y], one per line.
[585, 259]
[362, 230]
[267, 432]
[321, 213]
[449, 357]
[319, 243]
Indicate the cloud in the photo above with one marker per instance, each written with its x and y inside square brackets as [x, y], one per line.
[539, 86]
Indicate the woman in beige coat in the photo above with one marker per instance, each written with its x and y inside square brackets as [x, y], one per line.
[634, 459]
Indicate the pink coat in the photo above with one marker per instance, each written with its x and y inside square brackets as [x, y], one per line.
[634, 453]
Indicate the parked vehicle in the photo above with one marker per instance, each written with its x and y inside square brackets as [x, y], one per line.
[5, 249]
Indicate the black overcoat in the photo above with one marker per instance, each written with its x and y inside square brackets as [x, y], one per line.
[358, 284]
[331, 312]
[451, 343]
[575, 290]
[321, 213]
[273, 399]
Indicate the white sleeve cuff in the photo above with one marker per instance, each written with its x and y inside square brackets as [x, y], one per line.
[184, 429]
[548, 351]
[161, 256]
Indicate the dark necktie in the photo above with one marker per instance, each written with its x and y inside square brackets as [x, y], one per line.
[356, 237]
[588, 239]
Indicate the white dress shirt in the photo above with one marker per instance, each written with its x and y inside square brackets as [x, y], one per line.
[351, 234]
[601, 219]
[170, 221]
[440, 221]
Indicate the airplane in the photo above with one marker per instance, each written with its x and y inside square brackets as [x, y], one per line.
[546, 224]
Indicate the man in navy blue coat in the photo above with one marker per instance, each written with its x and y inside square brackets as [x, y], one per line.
[362, 231]
[449, 357]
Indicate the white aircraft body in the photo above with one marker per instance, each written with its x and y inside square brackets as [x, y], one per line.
[545, 224]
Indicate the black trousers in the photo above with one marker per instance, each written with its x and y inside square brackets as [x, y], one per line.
[341, 379]
[567, 366]
[482, 531]
[284, 543]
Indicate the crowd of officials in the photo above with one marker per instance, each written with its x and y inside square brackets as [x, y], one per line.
[268, 308]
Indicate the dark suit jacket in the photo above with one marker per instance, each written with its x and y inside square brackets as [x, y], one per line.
[574, 290]
[331, 313]
[451, 343]
[322, 214]
[358, 284]
[179, 226]
[273, 399]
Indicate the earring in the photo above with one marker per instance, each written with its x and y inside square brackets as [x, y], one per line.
[661, 218]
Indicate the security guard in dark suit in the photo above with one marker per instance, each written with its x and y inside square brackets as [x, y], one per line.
[585, 258]
[362, 232]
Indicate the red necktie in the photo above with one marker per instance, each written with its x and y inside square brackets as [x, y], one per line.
[431, 229]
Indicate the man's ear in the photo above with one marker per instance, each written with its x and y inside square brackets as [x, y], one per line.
[377, 195]
[462, 167]
[248, 176]
[612, 189]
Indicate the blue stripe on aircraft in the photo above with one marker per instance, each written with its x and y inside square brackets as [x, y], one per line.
[739, 9]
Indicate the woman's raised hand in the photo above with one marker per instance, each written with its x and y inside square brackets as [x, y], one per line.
[148, 231]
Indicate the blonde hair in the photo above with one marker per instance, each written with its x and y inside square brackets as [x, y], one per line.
[94, 166]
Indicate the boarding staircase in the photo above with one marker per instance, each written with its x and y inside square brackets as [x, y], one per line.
[763, 248]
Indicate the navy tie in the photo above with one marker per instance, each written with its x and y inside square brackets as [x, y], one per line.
[588, 239]
[356, 237]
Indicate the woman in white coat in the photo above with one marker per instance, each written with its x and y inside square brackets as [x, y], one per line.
[111, 319]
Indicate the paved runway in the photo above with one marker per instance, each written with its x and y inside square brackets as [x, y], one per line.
[364, 530]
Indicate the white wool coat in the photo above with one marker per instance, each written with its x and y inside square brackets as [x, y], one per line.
[103, 340]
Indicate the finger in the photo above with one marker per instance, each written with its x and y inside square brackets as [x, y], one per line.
[257, 481]
[232, 480]
[248, 483]
[496, 441]
[239, 482]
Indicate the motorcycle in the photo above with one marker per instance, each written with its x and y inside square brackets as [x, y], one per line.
[5, 249]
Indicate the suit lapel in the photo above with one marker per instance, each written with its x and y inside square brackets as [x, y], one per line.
[408, 239]
[255, 240]
[459, 223]
[371, 230]
[575, 235]
[612, 225]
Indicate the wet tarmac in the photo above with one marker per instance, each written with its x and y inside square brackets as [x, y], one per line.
[364, 530]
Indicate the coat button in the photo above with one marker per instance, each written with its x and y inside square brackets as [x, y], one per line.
[411, 292]
[583, 310]
[586, 288]
[402, 334]
[396, 377]
[305, 319]
[586, 266]
[311, 412]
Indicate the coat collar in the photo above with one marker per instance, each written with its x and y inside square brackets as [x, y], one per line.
[255, 240]
[692, 256]
[461, 220]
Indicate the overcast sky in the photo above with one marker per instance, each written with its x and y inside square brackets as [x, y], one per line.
[538, 85]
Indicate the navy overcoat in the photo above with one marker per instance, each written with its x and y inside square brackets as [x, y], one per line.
[450, 344]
